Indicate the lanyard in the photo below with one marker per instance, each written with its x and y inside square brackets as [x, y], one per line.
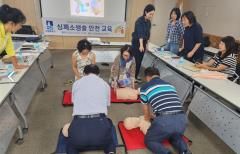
[172, 27]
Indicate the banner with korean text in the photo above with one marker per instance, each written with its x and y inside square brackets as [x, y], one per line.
[61, 27]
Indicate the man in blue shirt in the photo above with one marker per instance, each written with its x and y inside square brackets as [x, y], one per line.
[170, 121]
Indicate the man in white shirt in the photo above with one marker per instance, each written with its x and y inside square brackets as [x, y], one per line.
[90, 94]
[90, 129]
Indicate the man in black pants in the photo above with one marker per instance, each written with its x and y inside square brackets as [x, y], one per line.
[170, 121]
[90, 128]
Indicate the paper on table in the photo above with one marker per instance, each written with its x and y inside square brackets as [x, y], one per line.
[26, 59]
[210, 75]
[190, 67]
[28, 44]
[105, 56]
[94, 40]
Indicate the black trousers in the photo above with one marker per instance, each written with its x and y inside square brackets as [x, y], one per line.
[90, 134]
[137, 54]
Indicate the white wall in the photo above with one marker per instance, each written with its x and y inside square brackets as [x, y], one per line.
[1, 2]
[160, 20]
[217, 17]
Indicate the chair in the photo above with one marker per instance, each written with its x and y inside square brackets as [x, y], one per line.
[26, 29]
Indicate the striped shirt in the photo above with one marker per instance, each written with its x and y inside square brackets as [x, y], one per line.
[161, 96]
[175, 32]
[230, 61]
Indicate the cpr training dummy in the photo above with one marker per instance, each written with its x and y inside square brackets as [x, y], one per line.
[135, 122]
[123, 74]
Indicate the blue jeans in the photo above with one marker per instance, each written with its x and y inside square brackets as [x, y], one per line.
[169, 127]
[173, 47]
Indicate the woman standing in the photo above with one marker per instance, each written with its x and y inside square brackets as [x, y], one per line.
[192, 47]
[123, 69]
[141, 35]
[175, 31]
[11, 20]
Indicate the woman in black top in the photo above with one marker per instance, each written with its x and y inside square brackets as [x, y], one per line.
[192, 47]
[141, 35]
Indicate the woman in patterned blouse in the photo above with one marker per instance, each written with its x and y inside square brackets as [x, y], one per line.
[82, 57]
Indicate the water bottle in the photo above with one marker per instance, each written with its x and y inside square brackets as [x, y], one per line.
[181, 61]
[9, 68]
[20, 56]
[36, 46]
[162, 49]
[42, 37]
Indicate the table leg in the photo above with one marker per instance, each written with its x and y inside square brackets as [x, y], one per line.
[18, 112]
[44, 80]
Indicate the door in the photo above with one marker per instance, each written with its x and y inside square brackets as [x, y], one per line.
[160, 20]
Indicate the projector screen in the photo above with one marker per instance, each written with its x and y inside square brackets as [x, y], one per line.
[85, 10]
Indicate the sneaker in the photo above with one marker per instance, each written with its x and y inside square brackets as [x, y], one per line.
[186, 152]
[68, 82]
[111, 153]
[138, 80]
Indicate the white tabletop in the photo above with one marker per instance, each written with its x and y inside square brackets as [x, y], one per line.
[120, 43]
[211, 49]
[24, 35]
[111, 43]
[224, 88]
[39, 47]
[5, 89]
[20, 72]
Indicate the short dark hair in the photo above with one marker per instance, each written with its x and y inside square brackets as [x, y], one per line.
[8, 14]
[127, 48]
[151, 71]
[84, 44]
[92, 68]
[148, 8]
[231, 46]
[177, 11]
[190, 16]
